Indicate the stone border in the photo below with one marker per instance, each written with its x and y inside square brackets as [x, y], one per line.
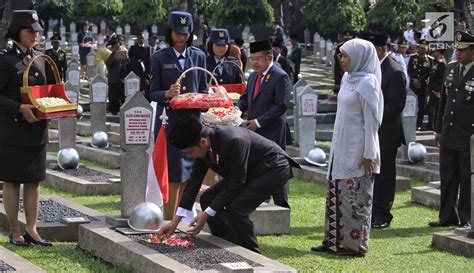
[19, 263]
[454, 242]
[102, 241]
[77, 185]
[418, 173]
[106, 157]
[55, 231]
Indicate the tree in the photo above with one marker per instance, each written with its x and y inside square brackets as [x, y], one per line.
[95, 11]
[54, 8]
[143, 13]
[239, 13]
[391, 16]
[7, 18]
[330, 17]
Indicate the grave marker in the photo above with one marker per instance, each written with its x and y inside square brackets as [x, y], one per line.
[132, 83]
[98, 99]
[297, 88]
[316, 40]
[72, 28]
[62, 30]
[119, 30]
[73, 74]
[90, 64]
[307, 37]
[322, 50]
[135, 129]
[307, 105]
[103, 26]
[409, 120]
[74, 37]
[329, 54]
[154, 29]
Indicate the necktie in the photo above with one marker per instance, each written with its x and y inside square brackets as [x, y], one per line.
[152, 50]
[257, 85]
[461, 72]
[220, 67]
[181, 61]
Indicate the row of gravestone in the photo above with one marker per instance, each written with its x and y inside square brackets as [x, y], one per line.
[323, 49]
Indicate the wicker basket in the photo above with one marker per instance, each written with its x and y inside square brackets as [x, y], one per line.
[30, 94]
[233, 87]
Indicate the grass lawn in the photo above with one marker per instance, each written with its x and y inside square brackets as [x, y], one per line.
[405, 246]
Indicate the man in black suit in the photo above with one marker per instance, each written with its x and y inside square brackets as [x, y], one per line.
[251, 167]
[390, 133]
[337, 70]
[454, 127]
[243, 56]
[265, 100]
[281, 60]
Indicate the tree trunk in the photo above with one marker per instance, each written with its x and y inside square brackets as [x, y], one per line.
[193, 9]
[278, 10]
[7, 18]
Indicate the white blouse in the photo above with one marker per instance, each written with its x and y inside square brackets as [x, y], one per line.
[355, 135]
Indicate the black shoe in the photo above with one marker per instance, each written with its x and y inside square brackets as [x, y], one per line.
[17, 242]
[41, 242]
[464, 225]
[380, 224]
[441, 223]
[320, 248]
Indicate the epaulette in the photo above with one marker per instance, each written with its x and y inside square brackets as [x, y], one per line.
[413, 54]
[197, 48]
[452, 62]
[430, 57]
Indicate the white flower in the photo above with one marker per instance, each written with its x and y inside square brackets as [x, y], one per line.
[51, 102]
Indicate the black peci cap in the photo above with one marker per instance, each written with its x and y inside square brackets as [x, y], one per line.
[377, 39]
[186, 132]
[263, 45]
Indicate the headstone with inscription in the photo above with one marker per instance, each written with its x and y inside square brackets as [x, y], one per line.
[135, 131]
[297, 88]
[98, 100]
[73, 74]
[72, 28]
[67, 126]
[132, 83]
[90, 64]
[75, 51]
[62, 30]
[409, 120]
[74, 37]
[322, 50]
[307, 109]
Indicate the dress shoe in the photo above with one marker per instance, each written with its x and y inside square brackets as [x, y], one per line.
[380, 224]
[41, 242]
[17, 242]
[320, 248]
[464, 225]
[441, 223]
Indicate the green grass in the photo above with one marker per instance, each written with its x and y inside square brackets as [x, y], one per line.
[405, 246]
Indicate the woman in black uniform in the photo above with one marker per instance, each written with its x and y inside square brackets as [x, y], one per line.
[23, 137]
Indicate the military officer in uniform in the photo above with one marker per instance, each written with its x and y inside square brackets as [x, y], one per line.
[455, 126]
[219, 58]
[167, 65]
[419, 67]
[435, 86]
[402, 58]
[59, 57]
[23, 137]
[337, 70]
[251, 167]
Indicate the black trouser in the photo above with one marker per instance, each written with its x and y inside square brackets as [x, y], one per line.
[432, 111]
[233, 223]
[280, 195]
[455, 173]
[116, 97]
[421, 96]
[384, 187]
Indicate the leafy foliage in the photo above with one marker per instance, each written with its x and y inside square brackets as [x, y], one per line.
[331, 17]
[95, 11]
[55, 8]
[391, 16]
[143, 13]
[239, 13]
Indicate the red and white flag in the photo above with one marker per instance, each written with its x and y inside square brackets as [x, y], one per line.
[157, 182]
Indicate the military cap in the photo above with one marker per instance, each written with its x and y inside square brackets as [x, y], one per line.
[55, 38]
[263, 45]
[423, 43]
[347, 35]
[180, 22]
[186, 132]
[238, 41]
[463, 40]
[277, 43]
[377, 39]
[220, 36]
[27, 19]
[402, 43]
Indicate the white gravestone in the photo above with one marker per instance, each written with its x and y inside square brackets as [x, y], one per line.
[329, 54]
[316, 40]
[132, 83]
[49, 34]
[94, 29]
[72, 28]
[154, 29]
[98, 99]
[134, 159]
[137, 125]
[74, 37]
[71, 92]
[119, 30]
[409, 120]
[103, 26]
[127, 29]
[307, 37]
[73, 74]
[100, 39]
[90, 64]
[322, 50]
[67, 126]
[47, 44]
[297, 88]
[62, 30]
[308, 101]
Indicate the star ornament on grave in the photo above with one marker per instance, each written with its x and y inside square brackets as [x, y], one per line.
[164, 118]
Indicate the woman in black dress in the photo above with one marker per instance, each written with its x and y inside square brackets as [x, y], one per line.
[23, 137]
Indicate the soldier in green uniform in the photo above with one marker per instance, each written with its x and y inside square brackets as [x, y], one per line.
[419, 67]
[59, 57]
[454, 127]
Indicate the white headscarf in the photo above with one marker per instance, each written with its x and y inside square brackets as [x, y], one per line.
[365, 73]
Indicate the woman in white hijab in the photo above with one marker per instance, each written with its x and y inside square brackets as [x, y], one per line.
[355, 152]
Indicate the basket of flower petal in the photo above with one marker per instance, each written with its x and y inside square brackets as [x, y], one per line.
[50, 100]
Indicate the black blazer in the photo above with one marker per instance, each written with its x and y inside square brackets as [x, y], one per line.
[14, 130]
[456, 110]
[394, 95]
[285, 65]
[270, 104]
[242, 155]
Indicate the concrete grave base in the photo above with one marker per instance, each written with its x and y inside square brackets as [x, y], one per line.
[111, 246]
[19, 263]
[265, 217]
[418, 172]
[77, 185]
[55, 231]
[426, 195]
[454, 242]
[103, 156]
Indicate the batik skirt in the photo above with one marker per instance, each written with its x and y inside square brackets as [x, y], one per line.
[348, 215]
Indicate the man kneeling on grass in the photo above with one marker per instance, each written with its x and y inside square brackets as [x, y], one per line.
[252, 168]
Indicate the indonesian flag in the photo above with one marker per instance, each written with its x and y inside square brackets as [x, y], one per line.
[157, 182]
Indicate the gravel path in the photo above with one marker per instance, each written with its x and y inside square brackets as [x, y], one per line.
[87, 174]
